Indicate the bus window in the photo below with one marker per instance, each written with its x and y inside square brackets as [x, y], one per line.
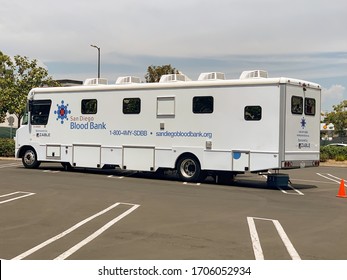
[297, 105]
[252, 113]
[25, 119]
[89, 106]
[131, 106]
[310, 106]
[203, 104]
[40, 112]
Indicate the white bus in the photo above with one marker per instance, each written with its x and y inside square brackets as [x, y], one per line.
[208, 126]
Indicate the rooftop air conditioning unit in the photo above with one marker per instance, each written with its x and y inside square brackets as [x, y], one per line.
[254, 74]
[211, 76]
[128, 80]
[95, 82]
[173, 78]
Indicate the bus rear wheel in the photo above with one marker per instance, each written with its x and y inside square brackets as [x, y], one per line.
[29, 159]
[67, 166]
[189, 169]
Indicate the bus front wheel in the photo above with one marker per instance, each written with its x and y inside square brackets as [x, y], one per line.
[189, 169]
[29, 159]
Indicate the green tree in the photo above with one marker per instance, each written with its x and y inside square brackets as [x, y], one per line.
[155, 72]
[339, 118]
[4, 74]
[17, 77]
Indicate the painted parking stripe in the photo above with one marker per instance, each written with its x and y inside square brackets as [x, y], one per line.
[257, 249]
[112, 176]
[294, 189]
[51, 171]
[338, 178]
[76, 226]
[91, 237]
[18, 195]
[191, 184]
[330, 177]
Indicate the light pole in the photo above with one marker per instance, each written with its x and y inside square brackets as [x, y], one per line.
[98, 59]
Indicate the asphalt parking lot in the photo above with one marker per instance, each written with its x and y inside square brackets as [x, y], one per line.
[49, 213]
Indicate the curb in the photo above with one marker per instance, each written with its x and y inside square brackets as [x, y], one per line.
[9, 158]
[333, 165]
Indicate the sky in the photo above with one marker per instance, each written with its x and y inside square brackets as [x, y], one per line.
[303, 39]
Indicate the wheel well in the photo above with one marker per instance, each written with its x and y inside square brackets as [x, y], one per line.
[184, 155]
[23, 150]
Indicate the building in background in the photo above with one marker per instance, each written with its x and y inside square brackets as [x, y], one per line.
[69, 83]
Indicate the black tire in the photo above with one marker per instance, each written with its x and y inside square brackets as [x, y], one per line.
[188, 169]
[29, 159]
[225, 177]
[67, 166]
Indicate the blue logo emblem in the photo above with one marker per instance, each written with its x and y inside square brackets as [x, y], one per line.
[303, 123]
[236, 155]
[62, 112]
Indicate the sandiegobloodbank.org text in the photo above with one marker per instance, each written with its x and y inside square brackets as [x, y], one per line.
[184, 134]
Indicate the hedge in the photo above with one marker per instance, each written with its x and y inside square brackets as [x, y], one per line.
[6, 147]
[333, 152]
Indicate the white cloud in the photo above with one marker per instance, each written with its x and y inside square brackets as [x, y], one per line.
[333, 96]
[293, 38]
[57, 30]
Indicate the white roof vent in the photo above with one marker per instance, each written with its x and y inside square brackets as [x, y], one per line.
[174, 78]
[211, 76]
[95, 82]
[253, 74]
[128, 80]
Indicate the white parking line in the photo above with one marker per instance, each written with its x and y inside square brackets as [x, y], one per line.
[118, 177]
[294, 189]
[76, 226]
[191, 184]
[258, 252]
[331, 178]
[24, 194]
[51, 171]
[72, 250]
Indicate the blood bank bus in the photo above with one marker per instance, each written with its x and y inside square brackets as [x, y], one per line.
[211, 125]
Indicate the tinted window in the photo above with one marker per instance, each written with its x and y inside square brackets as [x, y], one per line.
[310, 106]
[252, 113]
[203, 105]
[89, 106]
[131, 106]
[297, 105]
[25, 119]
[40, 112]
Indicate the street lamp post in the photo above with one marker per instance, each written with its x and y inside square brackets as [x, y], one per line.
[98, 59]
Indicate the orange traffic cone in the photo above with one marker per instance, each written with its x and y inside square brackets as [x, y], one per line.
[342, 190]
